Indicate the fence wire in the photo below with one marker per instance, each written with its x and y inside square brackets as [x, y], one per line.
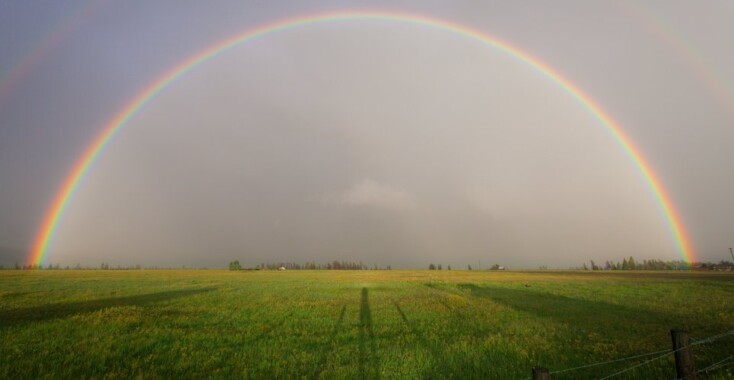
[641, 364]
[712, 338]
[721, 363]
[611, 361]
[663, 353]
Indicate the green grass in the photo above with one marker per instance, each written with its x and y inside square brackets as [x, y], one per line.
[362, 324]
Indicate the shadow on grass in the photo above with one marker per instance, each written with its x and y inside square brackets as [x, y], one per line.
[330, 346]
[270, 329]
[11, 295]
[447, 362]
[369, 366]
[630, 330]
[580, 313]
[18, 317]
[435, 351]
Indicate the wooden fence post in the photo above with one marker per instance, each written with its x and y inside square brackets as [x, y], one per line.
[684, 365]
[540, 373]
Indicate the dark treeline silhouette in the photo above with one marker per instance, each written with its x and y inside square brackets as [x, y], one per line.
[233, 265]
[433, 266]
[312, 265]
[626, 264]
[653, 264]
[103, 266]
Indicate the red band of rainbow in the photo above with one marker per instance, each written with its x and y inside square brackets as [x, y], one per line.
[65, 194]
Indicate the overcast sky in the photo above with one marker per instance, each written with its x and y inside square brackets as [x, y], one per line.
[380, 141]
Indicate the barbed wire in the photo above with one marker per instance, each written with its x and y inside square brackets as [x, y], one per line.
[712, 338]
[641, 364]
[611, 361]
[663, 353]
[719, 364]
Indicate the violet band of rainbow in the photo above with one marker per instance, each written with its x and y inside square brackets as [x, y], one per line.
[66, 192]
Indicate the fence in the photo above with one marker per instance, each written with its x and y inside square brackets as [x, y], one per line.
[682, 351]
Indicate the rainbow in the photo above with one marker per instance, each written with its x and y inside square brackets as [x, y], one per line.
[34, 56]
[65, 194]
[706, 73]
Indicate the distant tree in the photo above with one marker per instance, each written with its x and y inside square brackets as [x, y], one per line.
[593, 265]
[439, 267]
[468, 267]
[431, 267]
[625, 264]
[235, 265]
[631, 263]
[585, 267]
[449, 267]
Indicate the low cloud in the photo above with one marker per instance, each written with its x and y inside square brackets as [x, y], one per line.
[370, 193]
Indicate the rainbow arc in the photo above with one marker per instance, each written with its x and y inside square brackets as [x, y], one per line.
[66, 192]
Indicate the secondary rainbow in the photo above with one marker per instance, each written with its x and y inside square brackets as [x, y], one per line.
[687, 53]
[66, 192]
[35, 55]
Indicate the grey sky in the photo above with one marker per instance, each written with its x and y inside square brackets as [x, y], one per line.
[377, 141]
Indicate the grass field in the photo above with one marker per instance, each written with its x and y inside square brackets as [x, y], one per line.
[355, 324]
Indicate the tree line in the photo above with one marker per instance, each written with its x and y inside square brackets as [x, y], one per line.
[102, 266]
[654, 264]
[309, 265]
[433, 266]
[626, 264]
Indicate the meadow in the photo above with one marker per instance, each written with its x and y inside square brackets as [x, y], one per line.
[358, 324]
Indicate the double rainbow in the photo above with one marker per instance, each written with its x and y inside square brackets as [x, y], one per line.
[66, 193]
